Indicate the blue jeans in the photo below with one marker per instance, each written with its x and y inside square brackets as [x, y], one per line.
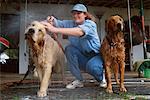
[78, 61]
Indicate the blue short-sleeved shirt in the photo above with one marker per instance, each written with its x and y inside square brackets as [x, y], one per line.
[87, 43]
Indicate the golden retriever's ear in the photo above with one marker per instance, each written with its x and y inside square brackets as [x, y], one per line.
[110, 25]
[41, 43]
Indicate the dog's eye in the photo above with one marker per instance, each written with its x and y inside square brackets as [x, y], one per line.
[120, 19]
[33, 25]
[40, 30]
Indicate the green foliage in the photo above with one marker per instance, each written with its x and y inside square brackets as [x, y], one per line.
[12, 53]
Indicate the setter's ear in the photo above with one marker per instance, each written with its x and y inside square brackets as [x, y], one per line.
[110, 25]
[41, 43]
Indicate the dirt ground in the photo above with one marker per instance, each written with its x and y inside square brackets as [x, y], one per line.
[138, 88]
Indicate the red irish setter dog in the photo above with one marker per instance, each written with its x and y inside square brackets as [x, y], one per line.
[113, 52]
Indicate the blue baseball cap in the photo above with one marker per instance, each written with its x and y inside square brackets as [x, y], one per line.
[79, 7]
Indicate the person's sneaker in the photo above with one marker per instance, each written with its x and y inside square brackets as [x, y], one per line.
[74, 84]
[103, 84]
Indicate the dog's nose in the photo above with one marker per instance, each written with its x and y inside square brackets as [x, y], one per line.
[31, 30]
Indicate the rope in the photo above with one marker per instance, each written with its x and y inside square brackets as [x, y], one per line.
[56, 39]
[26, 51]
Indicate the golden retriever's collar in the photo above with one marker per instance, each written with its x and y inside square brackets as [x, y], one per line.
[113, 44]
[110, 42]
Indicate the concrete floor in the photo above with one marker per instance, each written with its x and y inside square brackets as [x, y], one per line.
[137, 88]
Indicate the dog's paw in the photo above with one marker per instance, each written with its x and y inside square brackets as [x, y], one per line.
[123, 89]
[108, 90]
[41, 93]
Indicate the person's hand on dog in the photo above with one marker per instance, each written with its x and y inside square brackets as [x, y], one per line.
[50, 19]
[49, 27]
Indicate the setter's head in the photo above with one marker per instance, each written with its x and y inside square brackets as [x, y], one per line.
[35, 32]
[115, 24]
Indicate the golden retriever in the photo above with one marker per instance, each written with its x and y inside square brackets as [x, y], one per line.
[113, 51]
[46, 54]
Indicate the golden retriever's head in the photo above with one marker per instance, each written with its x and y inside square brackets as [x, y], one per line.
[35, 32]
[115, 24]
